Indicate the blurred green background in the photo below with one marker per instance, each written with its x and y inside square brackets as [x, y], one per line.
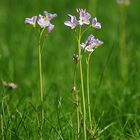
[114, 99]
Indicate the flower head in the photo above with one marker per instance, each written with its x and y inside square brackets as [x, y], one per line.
[31, 21]
[123, 2]
[98, 42]
[43, 21]
[91, 44]
[49, 15]
[72, 23]
[96, 24]
[84, 17]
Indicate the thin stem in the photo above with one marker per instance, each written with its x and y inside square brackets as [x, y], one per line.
[88, 97]
[82, 85]
[41, 77]
[78, 118]
[77, 100]
[74, 78]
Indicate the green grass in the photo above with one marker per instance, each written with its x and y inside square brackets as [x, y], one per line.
[115, 101]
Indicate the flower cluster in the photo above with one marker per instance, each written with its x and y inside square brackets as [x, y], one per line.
[123, 2]
[42, 21]
[91, 44]
[84, 19]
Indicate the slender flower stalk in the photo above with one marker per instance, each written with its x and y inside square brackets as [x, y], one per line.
[88, 90]
[40, 76]
[89, 46]
[76, 59]
[78, 116]
[43, 23]
[82, 85]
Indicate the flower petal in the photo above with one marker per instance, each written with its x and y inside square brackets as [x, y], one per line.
[84, 17]
[42, 22]
[83, 45]
[96, 24]
[91, 44]
[50, 28]
[49, 15]
[72, 23]
[31, 21]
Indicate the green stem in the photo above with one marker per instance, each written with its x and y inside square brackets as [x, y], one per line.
[74, 79]
[78, 118]
[77, 101]
[88, 97]
[41, 77]
[82, 85]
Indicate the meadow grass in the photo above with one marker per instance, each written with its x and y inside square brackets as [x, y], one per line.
[115, 105]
